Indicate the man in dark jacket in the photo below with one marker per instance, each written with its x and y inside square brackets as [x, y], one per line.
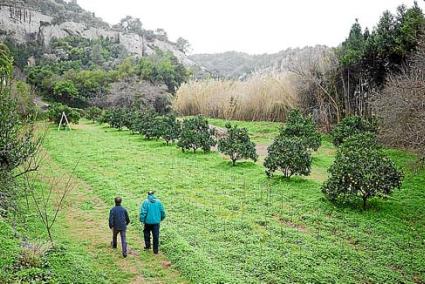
[151, 214]
[118, 221]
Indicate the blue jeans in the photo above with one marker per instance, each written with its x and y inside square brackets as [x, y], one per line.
[154, 228]
[123, 240]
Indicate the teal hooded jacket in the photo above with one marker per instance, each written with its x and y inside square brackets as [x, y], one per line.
[152, 211]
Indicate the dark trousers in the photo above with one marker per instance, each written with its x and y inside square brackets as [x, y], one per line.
[123, 240]
[154, 228]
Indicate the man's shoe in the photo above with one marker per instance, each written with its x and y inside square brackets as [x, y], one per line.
[147, 248]
[124, 255]
[155, 252]
[112, 246]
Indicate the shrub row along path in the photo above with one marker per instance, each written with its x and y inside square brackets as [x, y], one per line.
[231, 224]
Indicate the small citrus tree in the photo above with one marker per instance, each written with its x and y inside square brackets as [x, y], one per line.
[289, 155]
[170, 128]
[196, 133]
[361, 169]
[237, 145]
[303, 127]
[350, 126]
[93, 113]
[117, 118]
[150, 124]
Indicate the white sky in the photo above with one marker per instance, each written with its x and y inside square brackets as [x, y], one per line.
[253, 26]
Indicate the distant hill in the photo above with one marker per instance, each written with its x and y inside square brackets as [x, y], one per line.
[236, 65]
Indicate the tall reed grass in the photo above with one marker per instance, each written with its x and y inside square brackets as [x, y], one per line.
[260, 97]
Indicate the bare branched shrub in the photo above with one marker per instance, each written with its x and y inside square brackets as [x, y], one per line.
[317, 87]
[401, 106]
[261, 97]
[48, 194]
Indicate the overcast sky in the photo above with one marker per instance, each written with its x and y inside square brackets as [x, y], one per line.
[253, 26]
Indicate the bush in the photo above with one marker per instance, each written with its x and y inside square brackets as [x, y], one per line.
[361, 169]
[149, 124]
[350, 126]
[170, 128]
[289, 155]
[237, 144]
[302, 127]
[195, 134]
[93, 113]
[117, 118]
[56, 110]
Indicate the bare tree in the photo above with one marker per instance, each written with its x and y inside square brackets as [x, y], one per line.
[401, 106]
[318, 84]
[49, 197]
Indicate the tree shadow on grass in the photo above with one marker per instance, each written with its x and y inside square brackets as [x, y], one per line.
[227, 165]
[355, 204]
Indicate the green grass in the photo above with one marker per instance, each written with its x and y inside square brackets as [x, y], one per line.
[65, 263]
[232, 224]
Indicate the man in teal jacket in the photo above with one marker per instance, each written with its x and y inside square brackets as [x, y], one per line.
[151, 214]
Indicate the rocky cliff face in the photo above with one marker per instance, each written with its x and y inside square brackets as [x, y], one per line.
[41, 21]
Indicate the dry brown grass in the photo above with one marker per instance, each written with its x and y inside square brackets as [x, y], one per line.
[261, 97]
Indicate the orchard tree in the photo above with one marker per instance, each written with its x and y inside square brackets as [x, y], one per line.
[65, 91]
[150, 124]
[352, 125]
[117, 118]
[170, 128]
[237, 145]
[302, 127]
[93, 113]
[288, 155]
[196, 133]
[361, 169]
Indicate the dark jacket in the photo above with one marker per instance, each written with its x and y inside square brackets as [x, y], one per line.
[118, 218]
[152, 211]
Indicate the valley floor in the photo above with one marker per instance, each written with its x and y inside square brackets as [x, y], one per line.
[231, 224]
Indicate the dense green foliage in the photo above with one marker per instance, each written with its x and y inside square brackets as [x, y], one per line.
[163, 67]
[302, 127]
[288, 155]
[84, 69]
[170, 128]
[196, 133]
[17, 142]
[56, 110]
[237, 145]
[93, 113]
[117, 117]
[350, 126]
[361, 169]
[386, 47]
[150, 124]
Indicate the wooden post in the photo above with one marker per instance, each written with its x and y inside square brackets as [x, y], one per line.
[62, 119]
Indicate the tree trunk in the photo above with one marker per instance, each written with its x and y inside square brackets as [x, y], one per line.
[364, 202]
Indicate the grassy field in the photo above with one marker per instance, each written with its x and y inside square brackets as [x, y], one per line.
[232, 224]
